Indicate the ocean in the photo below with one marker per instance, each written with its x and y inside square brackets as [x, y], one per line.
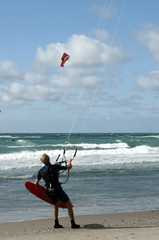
[111, 173]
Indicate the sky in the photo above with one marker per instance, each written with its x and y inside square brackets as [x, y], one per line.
[110, 82]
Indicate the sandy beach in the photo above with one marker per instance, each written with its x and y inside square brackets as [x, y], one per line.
[134, 225]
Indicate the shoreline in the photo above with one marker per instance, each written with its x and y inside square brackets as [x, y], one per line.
[131, 225]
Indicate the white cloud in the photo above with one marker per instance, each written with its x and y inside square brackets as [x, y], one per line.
[100, 34]
[88, 51]
[47, 81]
[35, 78]
[9, 71]
[78, 77]
[83, 51]
[50, 55]
[19, 94]
[103, 11]
[88, 58]
[151, 40]
[150, 82]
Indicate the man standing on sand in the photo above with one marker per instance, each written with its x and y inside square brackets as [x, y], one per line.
[50, 174]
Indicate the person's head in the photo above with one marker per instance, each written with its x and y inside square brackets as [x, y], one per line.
[45, 159]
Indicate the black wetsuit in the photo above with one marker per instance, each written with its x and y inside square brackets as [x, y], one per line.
[50, 174]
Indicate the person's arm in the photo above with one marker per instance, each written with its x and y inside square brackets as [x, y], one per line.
[37, 179]
[36, 182]
[69, 164]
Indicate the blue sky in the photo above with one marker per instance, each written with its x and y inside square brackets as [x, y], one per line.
[109, 84]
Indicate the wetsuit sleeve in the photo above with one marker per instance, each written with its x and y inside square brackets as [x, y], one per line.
[38, 175]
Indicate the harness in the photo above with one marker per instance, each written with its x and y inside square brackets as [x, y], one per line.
[53, 186]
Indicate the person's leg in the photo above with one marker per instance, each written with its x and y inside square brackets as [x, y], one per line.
[71, 215]
[56, 210]
[53, 197]
[70, 210]
[64, 198]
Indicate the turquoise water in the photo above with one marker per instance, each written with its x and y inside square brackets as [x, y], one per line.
[111, 173]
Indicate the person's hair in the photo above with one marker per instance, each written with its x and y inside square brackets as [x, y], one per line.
[45, 158]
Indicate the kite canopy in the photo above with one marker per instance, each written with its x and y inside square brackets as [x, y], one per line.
[64, 59]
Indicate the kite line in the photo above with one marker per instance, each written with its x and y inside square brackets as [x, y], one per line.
[84, 87]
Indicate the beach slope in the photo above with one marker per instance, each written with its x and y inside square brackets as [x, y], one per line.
[135, 225]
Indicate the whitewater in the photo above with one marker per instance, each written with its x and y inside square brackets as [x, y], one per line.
[111, 172]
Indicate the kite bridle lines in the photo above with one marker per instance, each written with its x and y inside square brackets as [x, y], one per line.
[64, 161]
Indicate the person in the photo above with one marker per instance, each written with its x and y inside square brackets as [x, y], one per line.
[50, 174]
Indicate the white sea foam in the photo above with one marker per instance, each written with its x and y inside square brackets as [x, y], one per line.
[21, 141]
[104, 146]
[88, 145]
[103, 156]
[5, 136]
[149, 136]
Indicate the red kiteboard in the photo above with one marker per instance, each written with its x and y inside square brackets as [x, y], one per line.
[40, 192]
